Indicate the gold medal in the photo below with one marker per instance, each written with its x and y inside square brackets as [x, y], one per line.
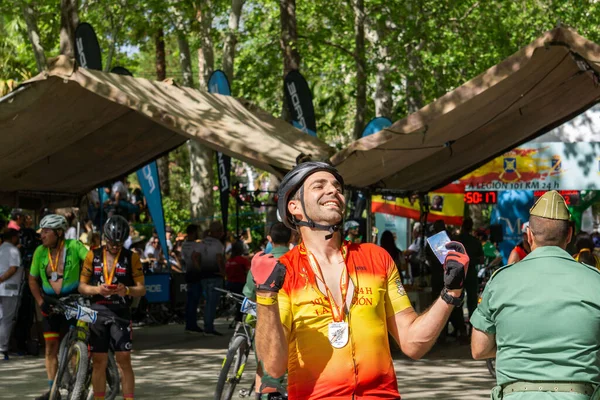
[54, 265]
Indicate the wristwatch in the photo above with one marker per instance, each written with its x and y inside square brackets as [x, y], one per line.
[454, 301]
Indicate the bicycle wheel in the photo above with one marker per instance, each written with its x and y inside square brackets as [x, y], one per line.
[491, 366]
[62, 378]
[113, 380]
[233, 368]
[77, 362]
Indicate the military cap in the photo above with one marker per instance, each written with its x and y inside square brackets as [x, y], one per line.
[551, 206]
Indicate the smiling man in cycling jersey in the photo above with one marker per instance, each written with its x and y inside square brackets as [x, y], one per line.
[325, 309]
[54, 272]
[112, 275]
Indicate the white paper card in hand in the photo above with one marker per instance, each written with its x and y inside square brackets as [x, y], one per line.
[438, 243]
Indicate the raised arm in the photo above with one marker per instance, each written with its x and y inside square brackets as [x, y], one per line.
[271, 335]
[417, 334]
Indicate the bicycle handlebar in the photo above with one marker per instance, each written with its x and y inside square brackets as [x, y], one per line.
[69, 305]
[235, 296]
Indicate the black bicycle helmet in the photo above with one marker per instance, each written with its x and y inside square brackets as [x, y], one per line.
[116, 229]
[292, 182]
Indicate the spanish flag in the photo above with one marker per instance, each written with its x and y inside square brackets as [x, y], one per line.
[447, 204]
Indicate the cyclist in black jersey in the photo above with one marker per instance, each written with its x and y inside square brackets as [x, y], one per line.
[112, 275]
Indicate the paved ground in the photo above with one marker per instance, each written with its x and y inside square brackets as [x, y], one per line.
[172, 365]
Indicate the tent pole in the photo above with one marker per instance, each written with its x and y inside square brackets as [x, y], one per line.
[369, 233]
[424, 206]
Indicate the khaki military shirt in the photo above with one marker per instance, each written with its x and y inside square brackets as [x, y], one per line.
[545, 313]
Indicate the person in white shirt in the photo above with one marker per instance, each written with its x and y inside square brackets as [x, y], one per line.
[11, 277]
[71, 233]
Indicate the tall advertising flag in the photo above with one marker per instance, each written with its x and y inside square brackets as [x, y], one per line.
[299, 102]
[87, 48]
[121, 71]
[219, 84]
[376, 125]
[148, 177]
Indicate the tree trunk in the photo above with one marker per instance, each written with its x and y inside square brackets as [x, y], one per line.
[161, 61]
[185, 59]
[361, 73]
[414, 96]
[161, 75]
[69, 20]
[202, 159]
[288, 43]
[111, 51]
[29, 15]
[206, 55]
[383, 86]
[231, 38]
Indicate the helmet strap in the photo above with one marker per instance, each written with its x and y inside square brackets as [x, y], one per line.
[312, 224]
[59, 239]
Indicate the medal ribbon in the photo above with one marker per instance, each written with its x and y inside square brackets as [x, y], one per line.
[109, 278]
[54, 265]
[337, 312]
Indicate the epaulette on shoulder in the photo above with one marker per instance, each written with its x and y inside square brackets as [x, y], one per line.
[501, 269]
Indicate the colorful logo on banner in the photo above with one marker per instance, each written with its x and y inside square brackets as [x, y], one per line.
[511, 211]
[447, 204]
[540, 166]
[87, 48]
[299, 102]
[148, 177]
[376, 125]
[219, 84]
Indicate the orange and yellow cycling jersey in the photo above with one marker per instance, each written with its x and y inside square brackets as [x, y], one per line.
[363, 368]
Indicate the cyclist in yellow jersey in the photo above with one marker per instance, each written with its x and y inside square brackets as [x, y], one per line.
[326, 307]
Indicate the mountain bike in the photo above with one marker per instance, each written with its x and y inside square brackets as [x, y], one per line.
[74, 375]
[237, 353]
[239, 348]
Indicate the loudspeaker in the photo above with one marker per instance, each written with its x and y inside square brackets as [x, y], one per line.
[496, 233]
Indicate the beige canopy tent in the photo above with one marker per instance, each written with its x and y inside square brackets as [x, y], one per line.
[543, 85]
[66, 131]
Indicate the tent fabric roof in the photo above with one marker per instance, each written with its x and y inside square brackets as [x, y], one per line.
[543, 85]
[70, 129]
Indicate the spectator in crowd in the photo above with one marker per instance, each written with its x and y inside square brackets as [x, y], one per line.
[17, 219]
[585, 250]
[491, 254]
[151, 252]
[413, 251]
[236, 269]
[388, 242]
[71, 232]
[191, 254]
[11, 280]
[169, 235]
[212, 272]
[475, 253]
[522, 248]
[351, 231]
[29, 240]
[95, 241]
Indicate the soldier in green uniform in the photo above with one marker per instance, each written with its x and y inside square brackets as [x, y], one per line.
[540, 317]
